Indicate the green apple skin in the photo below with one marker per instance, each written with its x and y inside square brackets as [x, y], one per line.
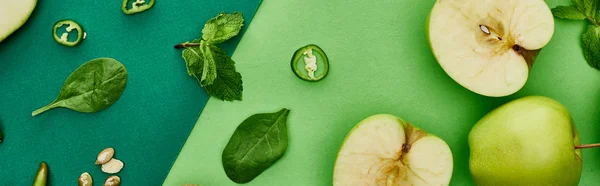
[529, 141]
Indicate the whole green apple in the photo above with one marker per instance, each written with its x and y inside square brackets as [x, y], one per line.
[529, 141]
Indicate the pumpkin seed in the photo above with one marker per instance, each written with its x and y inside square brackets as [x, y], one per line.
[113, 166]
[105, 156]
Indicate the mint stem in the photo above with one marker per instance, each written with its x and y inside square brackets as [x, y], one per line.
[587, 146]
[183, 45]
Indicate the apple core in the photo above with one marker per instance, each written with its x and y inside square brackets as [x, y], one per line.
[384, 150]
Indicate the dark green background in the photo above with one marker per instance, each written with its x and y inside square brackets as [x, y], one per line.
[147, 126]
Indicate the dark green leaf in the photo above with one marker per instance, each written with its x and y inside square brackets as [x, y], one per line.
[257, 143]
[591, 46]
[222, 27]
[568, 12]
[228, 85]
[92, 87]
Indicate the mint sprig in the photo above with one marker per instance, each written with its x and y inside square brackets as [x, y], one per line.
[211, 66]
[590, 10]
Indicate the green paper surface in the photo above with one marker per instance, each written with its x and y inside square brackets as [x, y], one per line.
[380, 62]
[150, 122]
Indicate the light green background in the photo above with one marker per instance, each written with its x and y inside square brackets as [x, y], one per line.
[380, 63]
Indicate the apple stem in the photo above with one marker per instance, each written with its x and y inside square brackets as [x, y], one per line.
[587, 146]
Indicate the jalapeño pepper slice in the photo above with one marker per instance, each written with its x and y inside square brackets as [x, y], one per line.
[137, 6]
[315, 65]
[64, 38]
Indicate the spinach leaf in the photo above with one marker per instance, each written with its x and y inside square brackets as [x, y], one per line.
[92, 87]
[257, 143]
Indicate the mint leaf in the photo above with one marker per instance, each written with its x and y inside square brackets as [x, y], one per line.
[200, 64]
[193, 59]
[590, 9]
[222, 27]
[568, 12]
[591, 46]
[209, 74]
[580, 5]
[228, 85]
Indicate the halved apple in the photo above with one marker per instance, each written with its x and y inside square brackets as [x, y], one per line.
[489, 46]
[13, 14]
[384, 150]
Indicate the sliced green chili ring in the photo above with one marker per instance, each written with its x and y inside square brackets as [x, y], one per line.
[301, 72]
[63, 39]
[137, 6]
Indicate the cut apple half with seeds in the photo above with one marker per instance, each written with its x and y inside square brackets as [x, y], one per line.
[489, 46]
[384, 150]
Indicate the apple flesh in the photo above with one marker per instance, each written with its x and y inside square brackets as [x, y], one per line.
[13, 14]
[384, 150]
[529, 141]
[489, 46]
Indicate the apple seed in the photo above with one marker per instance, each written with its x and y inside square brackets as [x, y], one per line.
[484, 29]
